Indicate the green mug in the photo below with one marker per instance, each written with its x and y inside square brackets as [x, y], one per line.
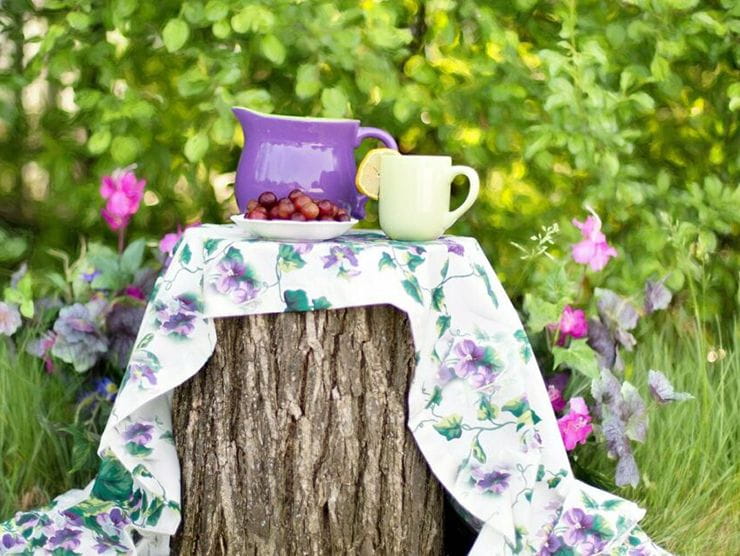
[414, 196]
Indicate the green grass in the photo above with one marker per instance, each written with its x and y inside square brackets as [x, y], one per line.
[690, 462]
[36, 455]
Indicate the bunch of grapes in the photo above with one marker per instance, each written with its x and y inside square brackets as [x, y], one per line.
[296, 206]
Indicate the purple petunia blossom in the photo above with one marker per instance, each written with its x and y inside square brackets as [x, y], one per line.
[337, 254]
[178, 315]
[139, 433]
[105, 545]
[10, 319]
[90, 276]
[139, 370]
[65, 538]
[490, 481]
[453, 246]
[445, 374]
[72, 518]
[482, 377]
[244, 292]
[113, 521]
[551, 546]
[579, 526]
[470, 357]
[230, 273]
[106, 388]
[9, 541]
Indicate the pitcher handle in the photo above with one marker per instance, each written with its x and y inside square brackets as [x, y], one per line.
[384, 136]
[472, 175]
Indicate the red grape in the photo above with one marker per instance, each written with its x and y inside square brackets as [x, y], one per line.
[285, 208]
[267, 199]
[295, 193]
[301, 200]
[310, 210]
[257, 214]
[326, 208]
[326, 218]
[298, 217]
[273, 213]
[251, 205]
[342, 217]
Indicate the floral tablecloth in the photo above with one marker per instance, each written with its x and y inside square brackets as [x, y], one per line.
[478, 407]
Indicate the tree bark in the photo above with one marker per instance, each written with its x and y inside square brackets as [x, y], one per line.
[293, 440]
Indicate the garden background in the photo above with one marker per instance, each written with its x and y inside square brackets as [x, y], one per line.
[629, 108]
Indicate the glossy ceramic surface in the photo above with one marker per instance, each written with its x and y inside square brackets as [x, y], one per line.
[292, 231]
[282, 153]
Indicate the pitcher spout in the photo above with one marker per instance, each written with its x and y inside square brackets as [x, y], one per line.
[247, 118]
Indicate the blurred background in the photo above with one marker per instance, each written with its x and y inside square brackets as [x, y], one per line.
[630, 107]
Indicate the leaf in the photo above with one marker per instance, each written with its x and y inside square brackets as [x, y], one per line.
[601, 527]
[215, 10]
[589, 502]
[438, 298]
[644, 101]
[540, 313]
[296, 300]
[615, 310]
[662, 390]
[486, 411]
[540, 473]
[443, 324]
[321, 303]
[133, 256]
[414, 261]
[481, 272]
[137, 450]
[386, 261]
[145, 341]
[196, 147]
[308, 81]
[289, 259]
[273, 49]
[578, 357]
[411, 285]
[113, 481]
[478, 452]
[334, 102]
[525, 349]
[211, 245]
[99, 141]
[552, 483]
[633, 413]
[611, 504]
[185, 254]
[435, 399]
[175, 34]
[154, 512]
[445, 269]
[450, 427]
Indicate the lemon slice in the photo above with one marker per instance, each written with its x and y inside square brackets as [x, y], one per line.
[367, 179]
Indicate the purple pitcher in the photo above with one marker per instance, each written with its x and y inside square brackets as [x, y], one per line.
[282, 153]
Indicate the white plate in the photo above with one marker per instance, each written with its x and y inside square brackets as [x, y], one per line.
[291, 230]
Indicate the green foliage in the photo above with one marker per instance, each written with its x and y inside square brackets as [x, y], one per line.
[629, 106]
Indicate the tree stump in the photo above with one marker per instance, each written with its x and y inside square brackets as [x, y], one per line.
[293, 440]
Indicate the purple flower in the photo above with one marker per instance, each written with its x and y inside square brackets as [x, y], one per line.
[575, 426]
[579, 525]
[106, 545]
[112, 522]
[72, 518]
[572, 324]
[10, 319]
[491, 481]
[231, 270]
[65, 538]
[482, 376]
[453, 246]
[90, 276]
[79, 339]
[42, 348]
[178, 315]
[445, 374]
[337, 254]
[9, 541]
[139, 433]
[123, 193]
[122, 324]
[106, 388]
[556, 398]
[471, 356]
[139, 370]
[244, 292]
[551, 546]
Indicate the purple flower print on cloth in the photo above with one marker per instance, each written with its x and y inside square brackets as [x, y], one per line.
[235, 278]
[336, 254]
[453, 246]
[139, 433]
[73, 519]
[105, 545]
[471, 356]
[445, 374]
[551, 546]
[483, 376]
[66, 538]
[579, 525]
[9, 541]
[490, 481]
[177, 317]
[112, 522]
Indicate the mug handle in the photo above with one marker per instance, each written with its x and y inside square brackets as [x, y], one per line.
[384, 136]
[472, 175]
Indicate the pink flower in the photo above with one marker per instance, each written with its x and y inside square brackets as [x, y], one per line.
[556, 398]
[10, 319]
[123, 194]
[576, 425]
[593, 250]
[572, 324]
[134, 291]
[169, 241]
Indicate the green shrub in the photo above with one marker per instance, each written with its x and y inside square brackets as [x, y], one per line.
[630, 106]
